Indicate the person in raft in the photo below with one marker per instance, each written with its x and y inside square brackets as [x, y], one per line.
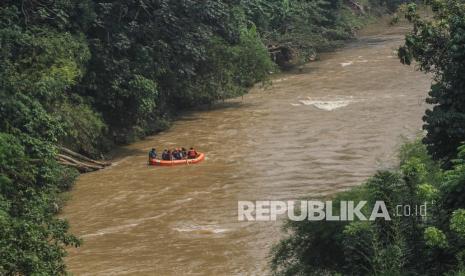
[177, 155]
[153, 154]
[165, 156]
[192, 154]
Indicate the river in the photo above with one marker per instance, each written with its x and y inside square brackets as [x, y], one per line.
[312, 133]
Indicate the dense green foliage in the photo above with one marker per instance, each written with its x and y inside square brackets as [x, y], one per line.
[154, 57]
[39, 62]
[31, 238]
[437, 44]
[303, 27]
[406, 245]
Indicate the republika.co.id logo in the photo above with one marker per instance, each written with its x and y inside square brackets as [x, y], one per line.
[313, 210]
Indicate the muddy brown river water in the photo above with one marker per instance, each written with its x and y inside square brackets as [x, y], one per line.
[311, 133]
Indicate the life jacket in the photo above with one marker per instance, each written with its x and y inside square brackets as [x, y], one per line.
[192, 154]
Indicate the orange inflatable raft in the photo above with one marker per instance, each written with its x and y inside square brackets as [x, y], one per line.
[157, 162]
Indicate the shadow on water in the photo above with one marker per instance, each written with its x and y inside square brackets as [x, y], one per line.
[193, 114]
[123, 151]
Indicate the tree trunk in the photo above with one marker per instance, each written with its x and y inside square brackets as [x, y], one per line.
[80, 168]
[82, 163]
[82, 157]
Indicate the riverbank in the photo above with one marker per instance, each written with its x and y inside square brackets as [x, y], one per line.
[311, 133]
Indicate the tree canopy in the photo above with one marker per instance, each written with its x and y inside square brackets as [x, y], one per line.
[437, 45]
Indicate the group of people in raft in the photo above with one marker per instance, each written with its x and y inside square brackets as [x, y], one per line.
[174, 154]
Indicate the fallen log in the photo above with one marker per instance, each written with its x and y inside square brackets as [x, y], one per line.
[80, 168]
[74, 161]
[281, 54]
[82, 157]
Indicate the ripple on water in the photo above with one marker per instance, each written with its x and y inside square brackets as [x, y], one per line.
[200, 229]
[327, 104]
[345, 64]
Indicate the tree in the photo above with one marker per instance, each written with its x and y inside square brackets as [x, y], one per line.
[404, 245]
[32, 240]
[437, 44]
